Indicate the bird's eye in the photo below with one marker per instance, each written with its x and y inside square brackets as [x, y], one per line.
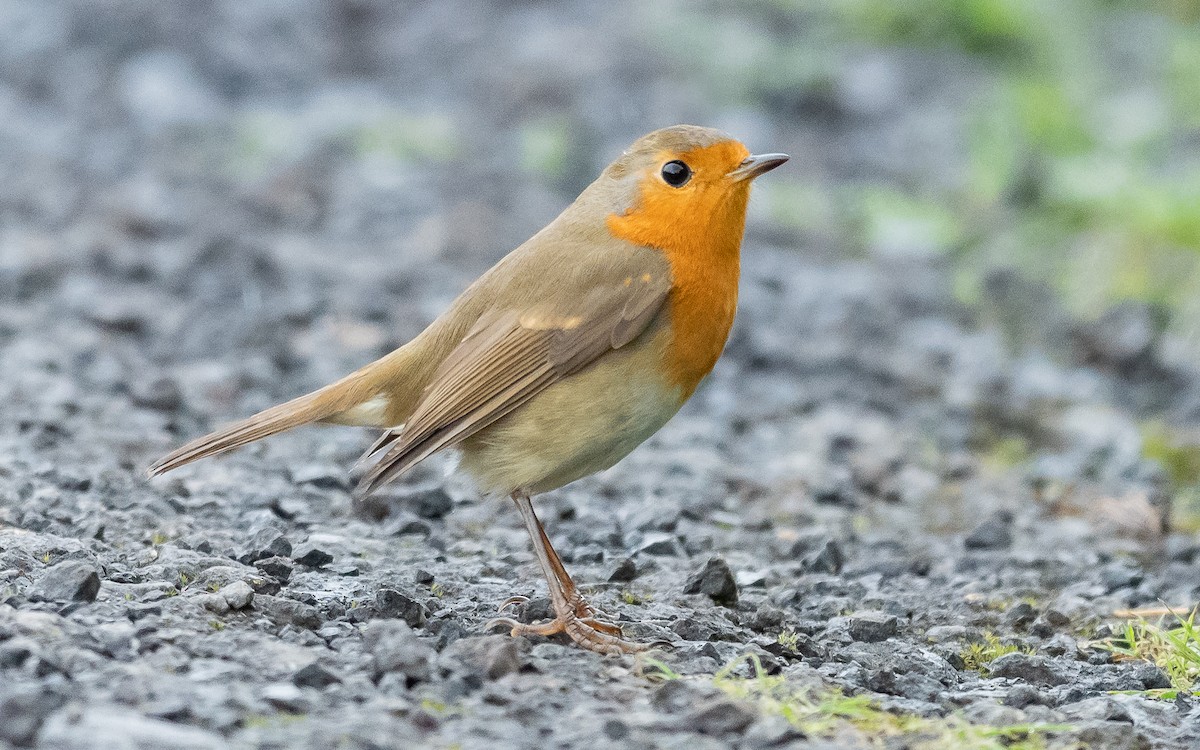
[676, 173]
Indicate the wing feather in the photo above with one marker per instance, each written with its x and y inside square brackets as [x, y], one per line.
[509, 357]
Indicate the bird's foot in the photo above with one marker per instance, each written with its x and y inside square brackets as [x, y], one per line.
[579, 621]
[583, 610]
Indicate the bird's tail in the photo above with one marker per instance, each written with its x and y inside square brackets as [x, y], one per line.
[353, 400]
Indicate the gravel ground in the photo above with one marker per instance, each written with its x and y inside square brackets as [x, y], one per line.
[208, 208]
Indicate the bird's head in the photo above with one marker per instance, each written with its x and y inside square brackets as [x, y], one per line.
[681, 187]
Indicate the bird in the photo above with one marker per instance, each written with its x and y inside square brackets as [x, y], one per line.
[563, 357]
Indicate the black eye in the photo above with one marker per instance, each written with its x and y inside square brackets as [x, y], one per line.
[676, 173]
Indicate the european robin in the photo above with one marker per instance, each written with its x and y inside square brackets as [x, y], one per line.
[565, 355]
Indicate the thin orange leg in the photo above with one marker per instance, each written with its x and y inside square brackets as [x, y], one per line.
[573, 615]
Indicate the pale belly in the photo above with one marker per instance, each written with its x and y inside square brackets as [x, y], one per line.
[576, 427]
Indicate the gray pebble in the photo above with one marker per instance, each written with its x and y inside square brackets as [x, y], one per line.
[994, 533]
[396, 649]
[1036, 670]
[715, 581]
[268, 542]
[311, 556]
[314, 675]
[238, 595]
[493, 656]
[721, 716]
[22, 713]
[285, 696]
[659, 543]
[872, 627]
[321, 476]
[392, 603]
[68, 581]
[625, 571]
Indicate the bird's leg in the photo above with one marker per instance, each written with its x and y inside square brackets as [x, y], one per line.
[583, 609]
[573, 615]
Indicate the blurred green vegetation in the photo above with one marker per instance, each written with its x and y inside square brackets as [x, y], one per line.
[1080, 137]
[1179, 454]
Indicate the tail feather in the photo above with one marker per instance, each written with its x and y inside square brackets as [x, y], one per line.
[333, 403]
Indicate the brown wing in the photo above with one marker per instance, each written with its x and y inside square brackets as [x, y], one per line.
[509, 357]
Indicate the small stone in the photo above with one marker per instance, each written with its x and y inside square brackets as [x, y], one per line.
[625, 571]
[773, 731]
[660, 544]
[1020, 614]
[118, 317]
[22, 714]
[908, 685]
[268, 542]
[720, 716]
[751, 579]
[827, 558]
[69, 581]
[408, 524]
[492, 655]
[160, 394]
[615, 729]
[238, 595]
[1111, 735]
[1124, 335]
[392, 603]
[584, 554]
[321, 476]
[428, 502]
[314, 676]
[993, 533]
[277, 567]
[1021, 696]
[716, 581]
[767, 617]
[1182, 548]
[283, 611]
[422, 577]
[115, 637]
[872, 627]
[1036, 670]
[16, 652]
[1120, 574]
[1151, 676]
[312, 557]
[214, 603]
[285, 696]
[1098, 708]
[396, 649]
[832, 485]
[674, 696]
[987, 712]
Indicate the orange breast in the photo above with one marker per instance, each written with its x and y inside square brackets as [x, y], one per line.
[701, 234]
[702, 310]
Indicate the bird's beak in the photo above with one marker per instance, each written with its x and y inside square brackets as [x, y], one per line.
[757, 164]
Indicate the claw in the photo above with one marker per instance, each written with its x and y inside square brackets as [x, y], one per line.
[512, 601]
[507, 622]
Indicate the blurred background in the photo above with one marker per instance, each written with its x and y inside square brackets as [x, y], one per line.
[197, 177]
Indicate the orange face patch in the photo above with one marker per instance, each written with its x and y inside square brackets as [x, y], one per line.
[698, 225]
